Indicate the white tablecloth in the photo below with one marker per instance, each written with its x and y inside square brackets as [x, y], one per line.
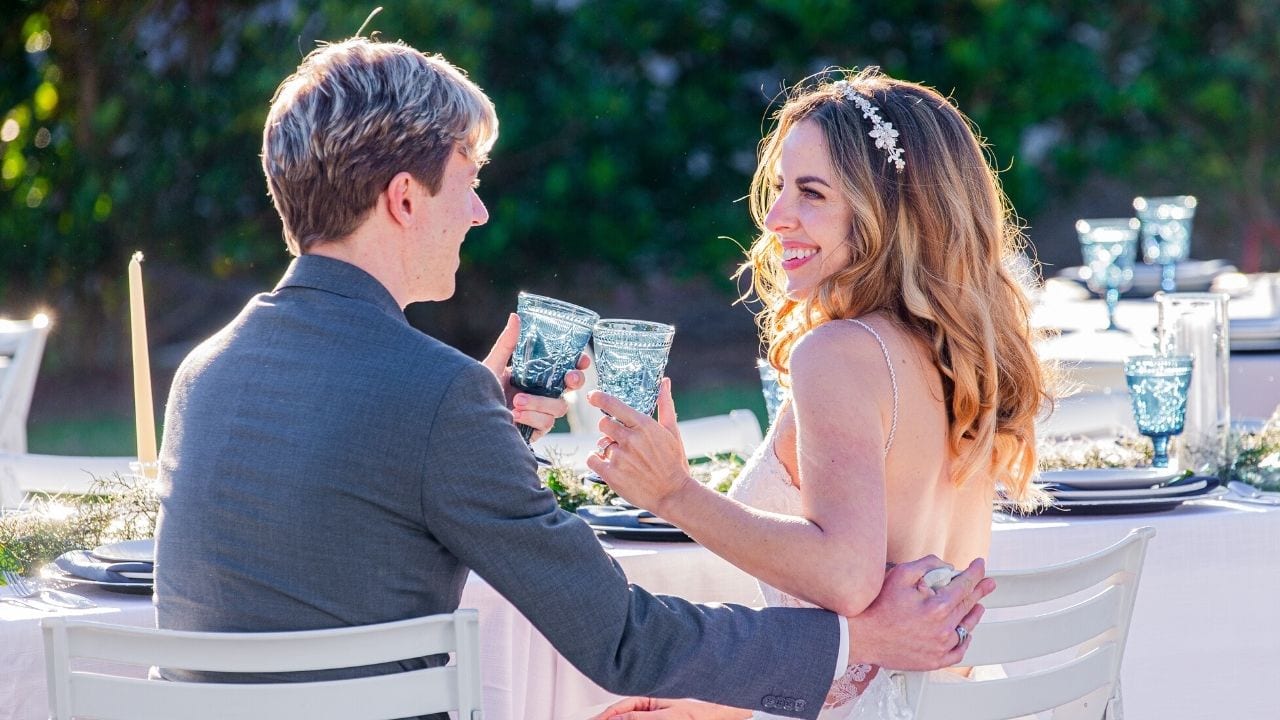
[1205, 640]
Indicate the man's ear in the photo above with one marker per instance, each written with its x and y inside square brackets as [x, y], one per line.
[400, 198]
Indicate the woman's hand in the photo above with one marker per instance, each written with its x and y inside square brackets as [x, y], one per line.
[643, 708]
[642, 460]
[539, 413]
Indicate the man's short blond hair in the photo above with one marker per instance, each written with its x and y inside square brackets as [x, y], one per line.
[353, 115]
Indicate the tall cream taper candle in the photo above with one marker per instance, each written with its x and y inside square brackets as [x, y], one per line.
[145, 419]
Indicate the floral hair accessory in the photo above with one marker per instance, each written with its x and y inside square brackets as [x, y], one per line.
[882, 132]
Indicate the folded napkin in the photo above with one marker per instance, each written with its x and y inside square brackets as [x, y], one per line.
[619, 517]
[83, 565]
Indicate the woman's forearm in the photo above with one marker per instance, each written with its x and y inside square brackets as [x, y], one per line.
[836, 568]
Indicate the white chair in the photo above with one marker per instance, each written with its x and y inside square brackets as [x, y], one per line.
[737, 431]
[21, 348]
[1076, 644]
[79, 693]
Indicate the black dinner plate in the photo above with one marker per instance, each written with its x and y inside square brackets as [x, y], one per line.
[1129, 506]
[647, 534]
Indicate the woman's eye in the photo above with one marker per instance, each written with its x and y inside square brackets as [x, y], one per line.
[777, 186]
[811, 193]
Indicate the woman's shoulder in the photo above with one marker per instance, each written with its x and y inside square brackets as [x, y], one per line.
[842, 340]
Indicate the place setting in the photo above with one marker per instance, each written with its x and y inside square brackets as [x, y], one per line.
[127, 566]
[1158, 387]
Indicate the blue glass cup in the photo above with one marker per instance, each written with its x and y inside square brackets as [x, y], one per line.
[773, 393]
[553, 334]
[1109, 247]
[1158, 389]
[1166, 233]
[631, 356]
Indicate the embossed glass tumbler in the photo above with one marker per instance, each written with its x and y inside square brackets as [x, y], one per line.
[1109, 247]
[1197, 324]
[553, 334]
[631, 356]
[1158, 388]
[1166, 233]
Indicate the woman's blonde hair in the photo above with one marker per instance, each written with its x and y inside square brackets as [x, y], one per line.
[928, 247]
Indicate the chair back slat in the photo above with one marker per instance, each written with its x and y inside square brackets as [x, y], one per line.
[1024, 695]
[1027, 587]
[1070, 621]
[1004, 641]
[395, 695]
[265, 652]
[398, 695]
[23, 344]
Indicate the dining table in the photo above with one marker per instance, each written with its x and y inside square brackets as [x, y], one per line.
[1204, 641]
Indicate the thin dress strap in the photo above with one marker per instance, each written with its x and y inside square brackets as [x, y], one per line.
[893, 380]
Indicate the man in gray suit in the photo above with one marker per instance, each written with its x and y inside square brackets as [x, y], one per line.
[325, 464]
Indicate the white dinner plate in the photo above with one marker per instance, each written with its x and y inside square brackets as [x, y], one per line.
[1145, 492]
[127, 551]
[1110, 478]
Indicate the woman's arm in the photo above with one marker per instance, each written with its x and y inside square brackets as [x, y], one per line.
[834, 554]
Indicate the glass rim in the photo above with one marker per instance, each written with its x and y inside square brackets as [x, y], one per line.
[634, 326]
[1159, 362]
[1111, 223]
[554, 305]
[1142, 202]
[1161, 295]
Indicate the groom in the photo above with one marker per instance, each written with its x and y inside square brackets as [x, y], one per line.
[325, 464]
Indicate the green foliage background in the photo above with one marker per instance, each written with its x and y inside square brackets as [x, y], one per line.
[628, 126]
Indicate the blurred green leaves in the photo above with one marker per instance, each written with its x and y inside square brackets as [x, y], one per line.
[628, 127]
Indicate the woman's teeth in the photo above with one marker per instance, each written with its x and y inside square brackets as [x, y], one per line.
[798, 253]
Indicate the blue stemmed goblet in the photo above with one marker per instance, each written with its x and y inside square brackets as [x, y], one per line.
[553, 334]
[1166, 233]
[631, 356]
[774, 393]
[1158, 388]
[1109, 247]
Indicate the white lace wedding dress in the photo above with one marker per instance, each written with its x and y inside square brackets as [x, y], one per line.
[764, 483]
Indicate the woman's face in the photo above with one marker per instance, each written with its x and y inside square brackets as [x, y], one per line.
[811, 218]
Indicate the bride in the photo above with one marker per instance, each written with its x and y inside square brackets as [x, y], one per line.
[889, 310]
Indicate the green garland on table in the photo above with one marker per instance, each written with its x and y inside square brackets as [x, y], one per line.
[117, 507]
[1255, 456]
[571, 492]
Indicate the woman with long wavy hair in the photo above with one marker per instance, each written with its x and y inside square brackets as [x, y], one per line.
[891, 312]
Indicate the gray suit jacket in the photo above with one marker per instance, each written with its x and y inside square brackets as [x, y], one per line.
[325, 464]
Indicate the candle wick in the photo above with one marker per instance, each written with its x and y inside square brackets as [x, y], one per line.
[137, 255]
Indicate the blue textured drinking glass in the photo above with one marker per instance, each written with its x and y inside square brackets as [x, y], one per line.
[1158, 388]
[630, 358]
[773, 393]
[1166, 233]
[553, 334]
[1109, 247]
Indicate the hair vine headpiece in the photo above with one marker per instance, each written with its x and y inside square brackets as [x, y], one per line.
[882, 132]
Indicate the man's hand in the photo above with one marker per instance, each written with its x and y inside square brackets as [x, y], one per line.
[539, 413]
[909, 626]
